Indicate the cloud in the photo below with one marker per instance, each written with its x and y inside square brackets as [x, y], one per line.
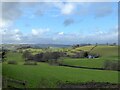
[11, 36]
[11, 11]
[41, 36]
[68, 22]
[67, 9]
[39, 13]
[103, 10]
[60, 33]
[39, 32]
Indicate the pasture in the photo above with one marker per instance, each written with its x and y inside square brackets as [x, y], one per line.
[44, 75]
[35, 75]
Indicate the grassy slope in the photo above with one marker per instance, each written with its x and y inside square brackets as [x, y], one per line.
[92, 63]
[14, 56]
[106, 52]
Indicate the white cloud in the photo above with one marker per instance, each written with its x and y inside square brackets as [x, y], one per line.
[60, 33]
[34, 32]
[67, 9]
[11, 36]
[38, 32]
[41, 36]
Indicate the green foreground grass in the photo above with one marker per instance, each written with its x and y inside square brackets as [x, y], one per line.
[35, 75]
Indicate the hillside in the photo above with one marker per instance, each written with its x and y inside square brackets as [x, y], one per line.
[102, 50]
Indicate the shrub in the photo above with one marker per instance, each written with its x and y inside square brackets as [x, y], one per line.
[112, 65]
[81, 54]
[27, 55]
[38, 57]
[30, 63]
[12, 62]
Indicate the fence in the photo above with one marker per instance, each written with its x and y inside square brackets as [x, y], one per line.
[13, 83]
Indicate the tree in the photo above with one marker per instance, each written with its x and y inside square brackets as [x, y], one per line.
[114, 44]
[27, 55]
[4, 52]
[38, 57]
[55, 55]
[47, 56]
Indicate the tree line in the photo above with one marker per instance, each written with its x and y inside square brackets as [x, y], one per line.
[43, 57]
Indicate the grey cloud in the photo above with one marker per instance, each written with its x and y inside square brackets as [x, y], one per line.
[11, 10]
[103, 10]
[68, 22]
[39, 13]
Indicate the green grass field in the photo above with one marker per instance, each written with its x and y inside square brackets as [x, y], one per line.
[91, 63]
[45, 75]
[105, 52]
[14, 56]
[52, 74]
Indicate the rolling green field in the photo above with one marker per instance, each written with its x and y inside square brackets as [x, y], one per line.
[105, 52]
[91, 63]
[45, 75]
[102, 50]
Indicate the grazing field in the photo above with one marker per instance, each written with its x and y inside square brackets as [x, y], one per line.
[35, 75]
[91, 63]
[105, 52]
[14, 56]
[44, 75]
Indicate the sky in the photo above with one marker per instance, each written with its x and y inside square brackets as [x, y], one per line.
[59, 22]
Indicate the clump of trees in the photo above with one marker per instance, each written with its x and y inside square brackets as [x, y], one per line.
[51, 57]
[112, 65]
[27, 55]
[81, 54]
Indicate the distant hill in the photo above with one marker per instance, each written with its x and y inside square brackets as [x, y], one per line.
[15, 46]
[49, 45]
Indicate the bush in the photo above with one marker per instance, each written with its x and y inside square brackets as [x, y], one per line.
[12, 62]
[112, 65]
[81, 54]
[27, 55]
[30, 63]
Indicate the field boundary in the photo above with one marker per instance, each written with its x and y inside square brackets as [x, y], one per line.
[6, 82]
[66, 65]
